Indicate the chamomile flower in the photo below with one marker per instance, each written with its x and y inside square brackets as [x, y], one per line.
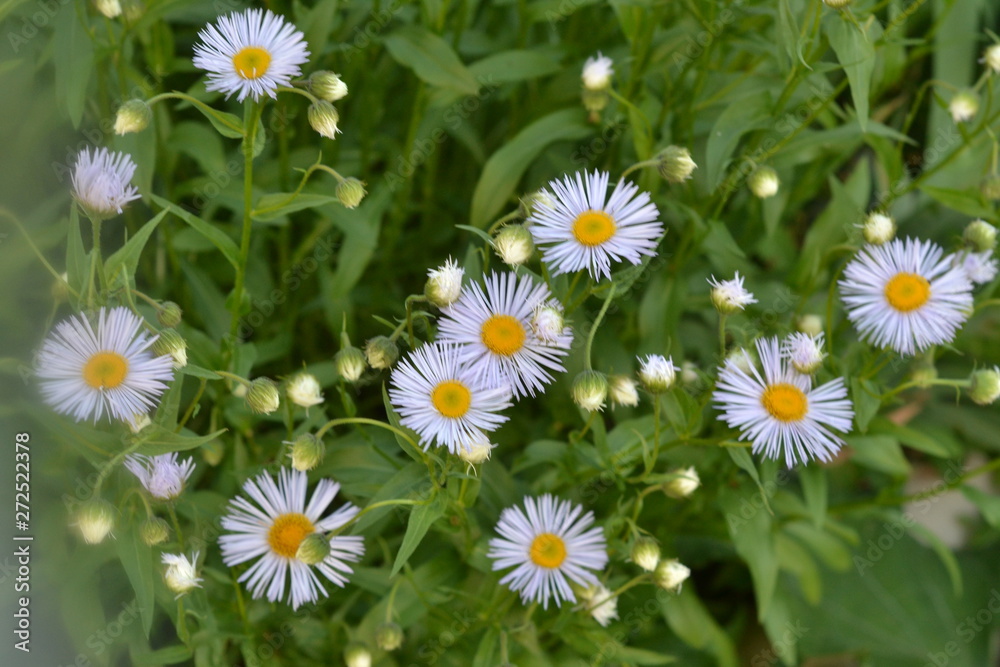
[89, 371]
[250, 53]
[780, 412]
[102, 182]
[163, 476]
[549, 542]
[905, 295]
[584, 228]
[979, 266]
[729, 296]
[444, 400]
[273, 527]
[493, 328]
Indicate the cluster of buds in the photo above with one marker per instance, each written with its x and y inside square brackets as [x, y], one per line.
[323, 116]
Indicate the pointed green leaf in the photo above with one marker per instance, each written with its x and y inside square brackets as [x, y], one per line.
[421, 519]
[431, 58]
[218, 238]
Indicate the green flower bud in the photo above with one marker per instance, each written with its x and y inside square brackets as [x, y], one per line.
[985, 386]
[684, 483]
[303, 390]
[594, 101]
[169, 342]
[60, 289]
[764, 182]
[671, 574]
[323, 118]
[154, 530]
[389, 636]
[307, 452]
[514, 245]
[327, 86]
[590, 390]
[980, 235]
[263, 396]
[169, 314]
[350, 192]
[313, 549]
[133, 116]
[213, 452]
[530, 203]
[622, 390]
[963, 106]
[350, 363]
[645, 553]
[675, 164]
[381, 352]
[990, 187]
[110, 8]
[357, 655]
[444, 284]
[809, 324]
[95, 520]
[878, 228]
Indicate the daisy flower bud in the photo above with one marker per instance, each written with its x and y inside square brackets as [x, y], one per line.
[350, 363]
[597, 72]
[689, 374]
[444, 284]
[514, 245]
[763, 182]
[645, 553]
[163, 476]
[809, 324]
[530, 204]
[990, 187]
[980, 235]
[590, 390]
[169, 314]
[622, 391]
[350, 192]
[476, 452]
[327, 86]
[172, 343]
[180, 575]
[657, 373]
[985, 386]
[102, 182]
[303, 390]
[358, 655]
[878, 228]
[154, 530]
[963, 106]
[671, 574]
[991, 58]
[381, 352]
[133, 116]
[729, 296]
[675, 164]
[804, 351]
[313, 549]
[547, 322]
[110, 8]
[600, 603]
[389, 636]
[262, 396]
[138, 422]
[307, 452]
[323, 118]
[685, 482]
[95, 520]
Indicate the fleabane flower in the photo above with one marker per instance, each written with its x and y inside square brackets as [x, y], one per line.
[444, 399]
[963, 106]
[991, 58]
[163, 476]
[597, 72]
[600, 603]
[585, 228]
[444, 284]
[181, 575]
[89, 371]
[549, 543]
[805, 352]
[273, 527]
[102, 182]
[303, 390]
[904, 295]
[780, 412]
[548, 321]
[657, 373]
[729, 296]
[981, 267]
[250, 53]
[492, 325]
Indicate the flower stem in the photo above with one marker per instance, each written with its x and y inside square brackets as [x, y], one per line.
[597, 323]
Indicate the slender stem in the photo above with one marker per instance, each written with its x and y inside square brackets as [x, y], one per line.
[392, 599]
[722, 335]
[177, 525]
[38, 253]
[98, 257]
[636, 167]
[597, 323]
[251, 116]
[232, 376]
[193, 405]
[113, 463]
[960, 384]
[656, 435]
[513, 215]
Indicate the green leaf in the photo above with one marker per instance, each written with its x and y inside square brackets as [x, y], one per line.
[740, 117]
[278, 204]
[867, 402]
[486, 653]
[74, 61]
[503, 170]
[814, 488]
[137, 560]
[911, 437]
[170, 655]
[431, 58]
[966, 201]
[199, 372]
[741, 457]
[421, 519]
[409, 482]
[856, 54]
[754, 542]
[793, 558]
[226, 124]
[218, 238]
[514, 65]
[690, 620]
[76, 259]
[988, 504]
[879, 452]
[127, 256]
[944, 553]
[161, 441]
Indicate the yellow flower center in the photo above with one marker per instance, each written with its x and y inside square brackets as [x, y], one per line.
[287, 533]
[907, 291]
[548, 550]
[592, 228]
[105, 370]
[252, 62]
[451, 398]
[785, 402]
[503, 334]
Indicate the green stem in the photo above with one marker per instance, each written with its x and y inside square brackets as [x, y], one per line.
[513, 215]
[635, 167]
[722, 335]
[597, 323]
[959, 384]
[177, 525]
[38, 253]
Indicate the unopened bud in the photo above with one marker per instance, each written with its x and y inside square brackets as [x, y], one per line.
[684, 483]
[675, 164]
[303, 390]
[110, 8]
[323, 118]
[154, 530]
[95, 520]
[657, 373]
[357, 655]
[133, 116]
[878, 228]
[671, 574]
[307, 452]
[389, 636]
[622, 391]
[327, 86]
[980, 235]
[645, 553]
[590, 390]
[381, 352]
[985, 386]
[514, 245]
[350, 363]
[313, 549]
[169, 314]
[963, 106]
[764, 182]
[169, 342]
[444, 284]
[263, 396]
[350, 192]
[809, 324]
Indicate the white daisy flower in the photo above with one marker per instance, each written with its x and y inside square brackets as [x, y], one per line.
[102, 182]
[657, 373]
[586, 229]
[804, 351]
[181, 574]
[252, 52]
[163, 476]
[781, 411]
[497, 340]
[979, 266]
[905, 295]
[729, 296]
[548, 321]
[597, 72]
[549, 544]
[600, 603]
[303, 390]
[444, 284]
[444, 399]
[86, 372]
[274, 526]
